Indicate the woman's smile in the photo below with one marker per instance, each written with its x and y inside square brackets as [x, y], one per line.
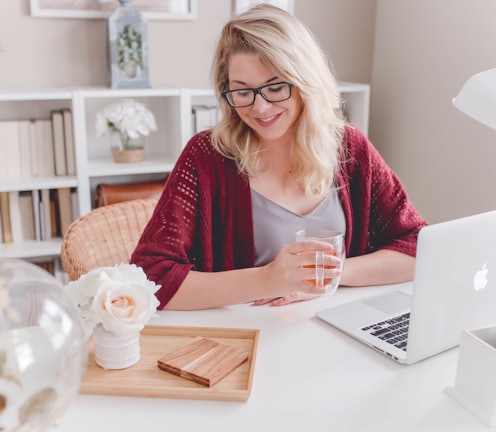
[268, 121]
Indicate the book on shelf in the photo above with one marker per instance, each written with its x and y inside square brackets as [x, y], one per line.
[10, 161]
[33, 149]
[45, 214]
[15, 217]
[54, 213]
[21, 216]
[48, 266]
[27, 215]
[59, 143]
[24, 135]
[54, 267]
[65, 209]
[38, 147]
[54, 217]
[42, 149]
[204, 117]
[35, 194]
[40, 214]
[74, 203]
[5, 212]
[69, 142]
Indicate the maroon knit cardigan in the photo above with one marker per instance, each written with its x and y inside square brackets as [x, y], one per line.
[203, 220]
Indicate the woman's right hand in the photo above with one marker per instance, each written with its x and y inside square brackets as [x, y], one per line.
[293, 271]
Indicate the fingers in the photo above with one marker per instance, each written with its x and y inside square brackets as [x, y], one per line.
[261, 302]
[298, 267]
[291, 298]
[308, 260]
[308, 245]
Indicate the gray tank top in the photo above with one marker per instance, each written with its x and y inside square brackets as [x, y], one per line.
[275, 226]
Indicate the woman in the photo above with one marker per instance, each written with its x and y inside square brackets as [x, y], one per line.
[281, 159]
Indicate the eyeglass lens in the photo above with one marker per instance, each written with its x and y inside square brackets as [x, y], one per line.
[277, 92]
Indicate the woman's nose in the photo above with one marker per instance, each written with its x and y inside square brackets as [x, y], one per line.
[260, 104]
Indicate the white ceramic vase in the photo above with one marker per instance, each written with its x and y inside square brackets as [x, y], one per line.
[115, 350]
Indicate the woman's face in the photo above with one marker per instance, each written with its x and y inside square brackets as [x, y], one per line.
[270, 120]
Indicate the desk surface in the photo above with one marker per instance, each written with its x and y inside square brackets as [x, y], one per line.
[308, 376]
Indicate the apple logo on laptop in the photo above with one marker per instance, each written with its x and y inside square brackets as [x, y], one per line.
[480, 278]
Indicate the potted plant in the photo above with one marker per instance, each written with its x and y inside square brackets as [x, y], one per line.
[115, 303]
[125, 122]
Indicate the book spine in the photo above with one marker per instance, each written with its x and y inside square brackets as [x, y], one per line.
[69, 142]
[10, 161]
[24, 131]
[36, 214]
[5, 211]
[15, 217]
[46, 214]
[65, 209]
[59, 143]
[27, 215]
[43, 148]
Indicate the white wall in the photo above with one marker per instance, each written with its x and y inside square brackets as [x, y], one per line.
[424, 51]
[41, 52]
[415, 53]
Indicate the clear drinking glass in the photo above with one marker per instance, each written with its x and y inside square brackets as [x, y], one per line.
[336, 239]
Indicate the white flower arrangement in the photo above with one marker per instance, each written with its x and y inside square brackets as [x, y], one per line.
[119, 298]
[128, 118]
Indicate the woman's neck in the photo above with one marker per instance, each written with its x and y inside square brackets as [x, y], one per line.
[275, 157]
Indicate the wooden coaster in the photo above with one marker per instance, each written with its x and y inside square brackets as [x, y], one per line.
[202, 360]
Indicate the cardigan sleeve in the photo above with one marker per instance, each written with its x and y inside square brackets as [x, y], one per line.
[378, 210]
[202, 220]
[162, 250]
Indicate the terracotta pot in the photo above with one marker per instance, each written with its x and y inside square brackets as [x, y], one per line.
[128, 156]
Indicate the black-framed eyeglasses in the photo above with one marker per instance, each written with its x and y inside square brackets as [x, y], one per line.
[276, 92]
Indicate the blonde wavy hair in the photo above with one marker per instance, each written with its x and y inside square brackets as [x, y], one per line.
[288, 48]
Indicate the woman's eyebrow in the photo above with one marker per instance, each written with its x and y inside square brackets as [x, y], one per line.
[245, 84]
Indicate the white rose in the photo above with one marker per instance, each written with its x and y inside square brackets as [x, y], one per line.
[128, 117]
[119, 297]
[123, 307]
[84, 289]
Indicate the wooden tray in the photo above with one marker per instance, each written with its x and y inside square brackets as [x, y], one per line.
[145, 379]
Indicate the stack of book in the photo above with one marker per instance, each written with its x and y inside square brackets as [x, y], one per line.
[36, 214]
[37, 147]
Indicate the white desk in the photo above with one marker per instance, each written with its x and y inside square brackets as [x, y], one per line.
[308, 377]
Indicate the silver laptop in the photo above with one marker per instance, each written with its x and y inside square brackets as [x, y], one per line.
[454, 288]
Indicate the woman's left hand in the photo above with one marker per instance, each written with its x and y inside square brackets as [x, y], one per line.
[280, 301]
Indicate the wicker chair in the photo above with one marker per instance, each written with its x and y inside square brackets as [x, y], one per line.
[106, 236]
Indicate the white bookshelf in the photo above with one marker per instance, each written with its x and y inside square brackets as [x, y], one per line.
[356, 104]
[172, 108]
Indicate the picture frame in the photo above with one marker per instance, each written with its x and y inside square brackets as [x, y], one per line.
[100, 9]
[242, 5]
[127, 49]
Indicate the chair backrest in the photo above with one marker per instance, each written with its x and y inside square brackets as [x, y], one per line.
[105, 236]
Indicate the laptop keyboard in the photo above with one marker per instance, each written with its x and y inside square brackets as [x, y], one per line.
[393, 330]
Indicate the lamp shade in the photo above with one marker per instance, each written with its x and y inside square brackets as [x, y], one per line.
[477, 98]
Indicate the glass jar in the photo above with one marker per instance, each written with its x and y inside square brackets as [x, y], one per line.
[43, 348]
